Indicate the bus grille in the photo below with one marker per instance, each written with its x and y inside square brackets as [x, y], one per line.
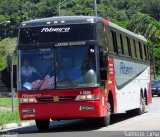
[56, 99]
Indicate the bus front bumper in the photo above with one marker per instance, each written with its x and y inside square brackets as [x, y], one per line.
[60, 110]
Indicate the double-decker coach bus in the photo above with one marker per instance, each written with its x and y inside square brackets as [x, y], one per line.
[80, 67]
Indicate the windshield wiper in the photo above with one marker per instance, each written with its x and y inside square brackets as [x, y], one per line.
[41, 82]
[61, 67]
[70, 82]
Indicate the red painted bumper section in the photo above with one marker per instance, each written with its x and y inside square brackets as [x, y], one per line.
[61, 109]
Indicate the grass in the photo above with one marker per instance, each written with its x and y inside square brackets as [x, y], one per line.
[7, 102]
[9, 116]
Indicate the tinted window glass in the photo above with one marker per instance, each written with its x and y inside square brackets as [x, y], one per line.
[125, 46]
[58, 68]
[48, 34]
[114, 39]
[145, 52]
[137, 49]
[100, 31]
[140, 50]
[133, 49]
[129, 46]
[119, 44]
[110, 40]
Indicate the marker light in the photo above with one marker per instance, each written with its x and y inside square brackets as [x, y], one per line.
[55, 22]
[24, 24]
[48, 23]
[87, 97]
[62, 22]
[90, 20]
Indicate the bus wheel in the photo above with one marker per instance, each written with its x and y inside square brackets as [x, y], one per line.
[105, 121]
[42, 124]
[141, 109]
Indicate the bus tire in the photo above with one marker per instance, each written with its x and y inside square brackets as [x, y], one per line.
[141, 109]
[105, 121]
[42, 124]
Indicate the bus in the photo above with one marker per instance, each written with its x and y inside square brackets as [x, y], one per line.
[81, 67]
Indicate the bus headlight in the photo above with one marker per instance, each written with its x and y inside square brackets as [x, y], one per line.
[87, 97]
[27, 100]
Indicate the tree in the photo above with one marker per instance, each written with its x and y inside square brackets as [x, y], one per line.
[145, 25]
[152, 7]
[2, 58]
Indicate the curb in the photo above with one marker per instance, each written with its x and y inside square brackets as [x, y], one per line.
[15, 125]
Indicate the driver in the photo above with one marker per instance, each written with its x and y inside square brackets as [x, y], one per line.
[27, 70]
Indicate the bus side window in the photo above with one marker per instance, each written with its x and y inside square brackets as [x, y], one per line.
[121, 40]
[119, 44]
[103, 40]
[140, 50]
[129, 46]
[100, 31]
[145, 52]
[133, 49]
[114, 39]
[125, 46]
[110, 40]
[137, 49]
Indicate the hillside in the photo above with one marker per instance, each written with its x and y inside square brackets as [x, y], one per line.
[140, 16]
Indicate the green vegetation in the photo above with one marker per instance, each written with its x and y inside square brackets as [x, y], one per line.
[140, 16]
[9, 117]
[7, 102]
[7, 46]
[6, 115]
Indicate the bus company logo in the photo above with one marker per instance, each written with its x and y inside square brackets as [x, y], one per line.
[31, 96]
[125, 69]
[55, 98]
[58, 30]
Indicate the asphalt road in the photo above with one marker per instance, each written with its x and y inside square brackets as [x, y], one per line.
[146, 125]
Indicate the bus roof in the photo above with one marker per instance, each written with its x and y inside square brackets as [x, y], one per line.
[63, 20]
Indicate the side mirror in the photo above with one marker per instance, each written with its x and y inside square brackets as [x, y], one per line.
[9, 63]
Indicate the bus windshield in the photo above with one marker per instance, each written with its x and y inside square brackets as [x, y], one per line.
[58, 68]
